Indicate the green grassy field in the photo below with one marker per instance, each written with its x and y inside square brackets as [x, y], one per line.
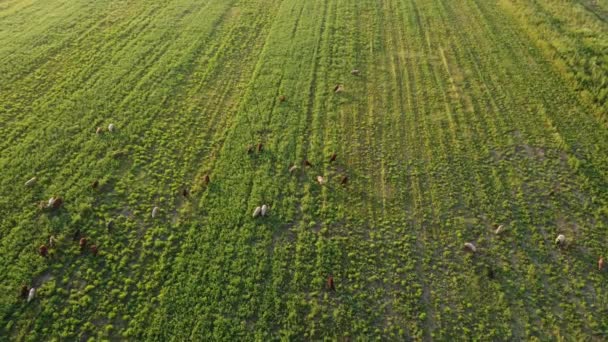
[465, 114]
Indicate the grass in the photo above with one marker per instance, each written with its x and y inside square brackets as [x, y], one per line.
[465, 114]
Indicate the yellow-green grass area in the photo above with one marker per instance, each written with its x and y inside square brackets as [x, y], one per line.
[464, 115]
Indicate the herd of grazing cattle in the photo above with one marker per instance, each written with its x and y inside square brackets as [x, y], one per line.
[55, 203]
[560, 242]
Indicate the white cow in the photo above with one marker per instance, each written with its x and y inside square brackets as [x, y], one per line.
[31, 295]
[257, 212]
[470, 246]
[30, 182]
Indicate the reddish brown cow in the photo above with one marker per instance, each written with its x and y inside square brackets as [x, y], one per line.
[260, 147]
[43, 250]
[344, 180]
[24, 291]
[600, 264]
[82, 243]
[207, 179]
[333, 158]
[94, 250]
[330, 283]
[282, 98]
[95, 184]
[307, 163]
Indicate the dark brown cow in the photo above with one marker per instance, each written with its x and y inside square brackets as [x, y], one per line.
[95, 184]
[207, 179]
[43, 250]
[600, 264]
[94, 250]
[185, 193]
[491, 274]
[282, 98]
[250, 149]
[24, 291]
[57, 203]
[307, 163]
[330, 283]
[260, 147]
[82, 243]
[76, 235]
[333, 158]
[344, 180]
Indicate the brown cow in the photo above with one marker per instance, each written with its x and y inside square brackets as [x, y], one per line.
[185, 193]
[333, 158]
[260, 147]
[330, 283]
[282, 98]
[307, 163]
[344, 180]
[82, 243]
[95, 184]
[43, 250]
[94, 250]
[207, 179]
[24, 291]
[600, 263]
